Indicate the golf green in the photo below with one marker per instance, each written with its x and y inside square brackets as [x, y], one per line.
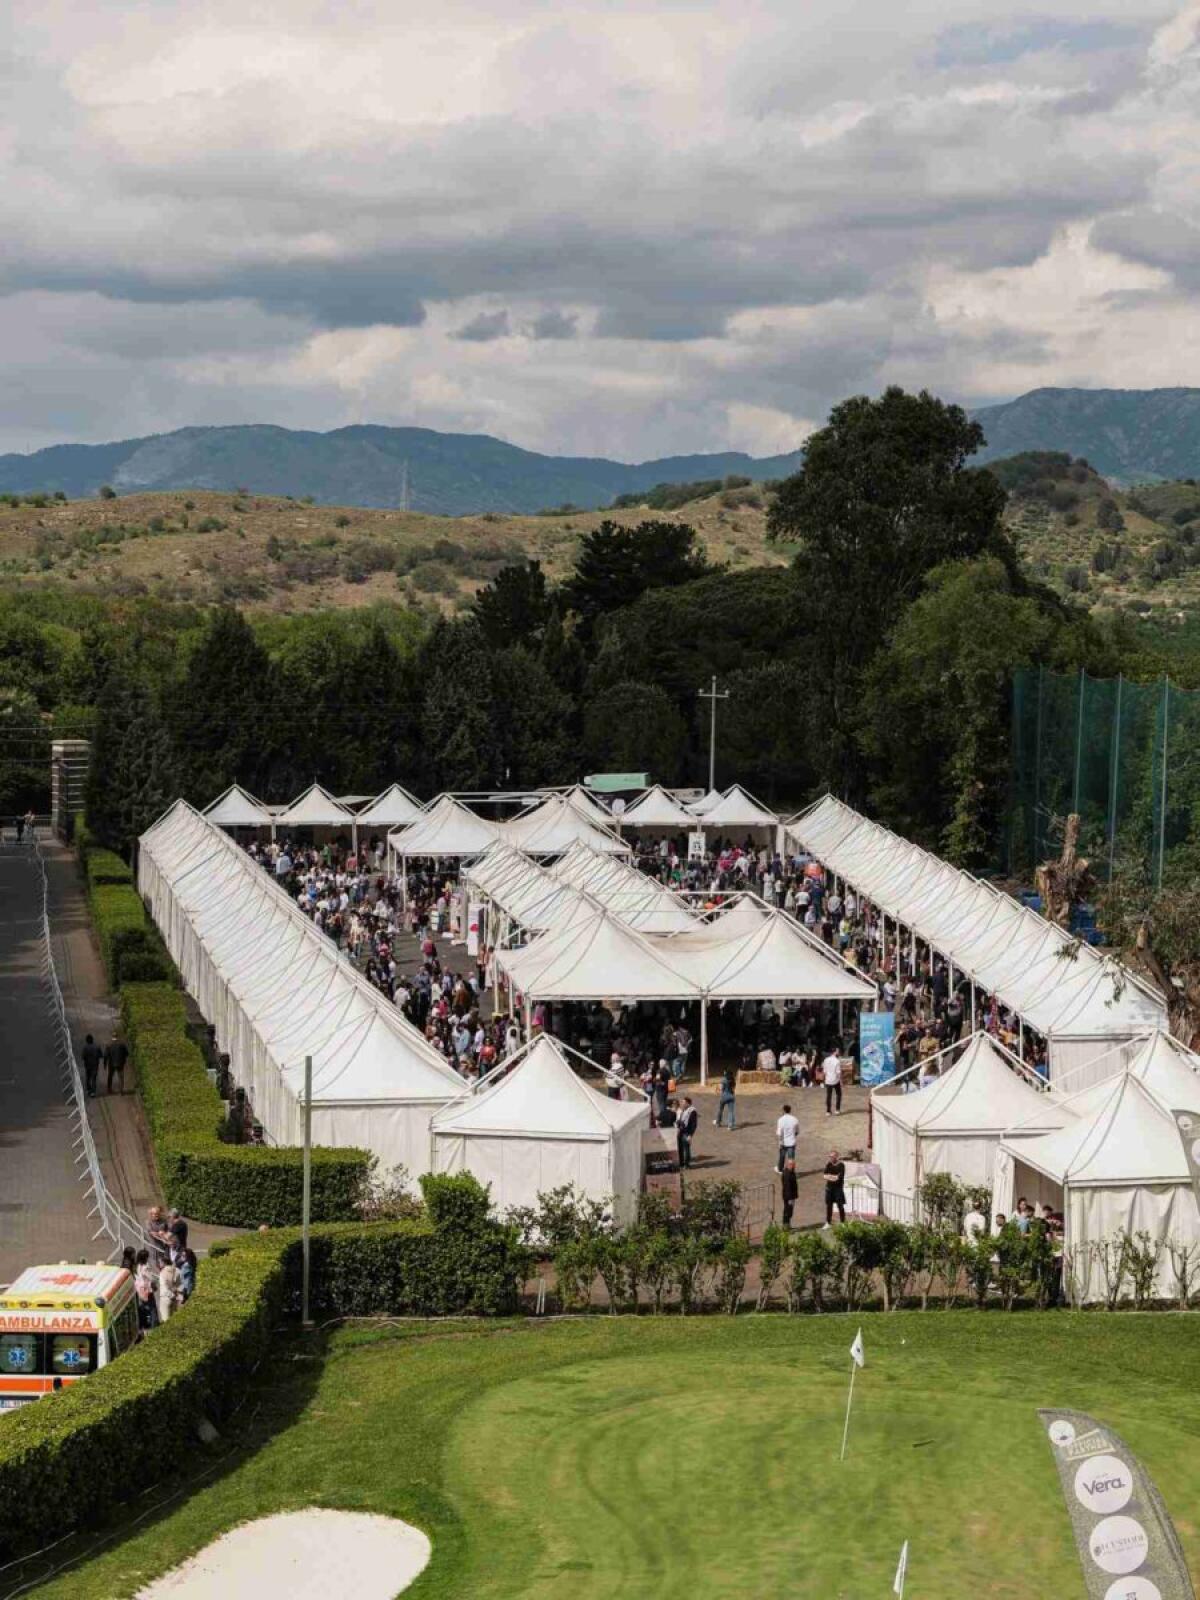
[699, 1459]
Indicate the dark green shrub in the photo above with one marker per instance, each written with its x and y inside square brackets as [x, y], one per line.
[240, 1186]
[105, 866]
[456, 1202]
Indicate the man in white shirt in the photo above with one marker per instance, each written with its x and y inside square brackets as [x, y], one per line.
[831, 1073]
[975, 1226]
[786, 1131]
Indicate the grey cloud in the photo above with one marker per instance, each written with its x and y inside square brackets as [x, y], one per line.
[553, 325]
[485, 327]
[1155, 239]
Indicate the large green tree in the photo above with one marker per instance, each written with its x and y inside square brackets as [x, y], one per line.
[460, 742]
[221, 716]
[884, 496]
[515, 607]
[635, 727]
[616, 564]
[132, 778]
[24, 755]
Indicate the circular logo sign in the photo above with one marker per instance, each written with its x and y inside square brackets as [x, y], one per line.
[1133, 1589]
[1062, 1432]
[1103, 1484]
[1185, 1122]
[1119, 1544]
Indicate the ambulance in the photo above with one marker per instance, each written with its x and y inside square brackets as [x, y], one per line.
[57, 1324]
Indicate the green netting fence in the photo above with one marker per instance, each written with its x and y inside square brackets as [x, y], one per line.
[1125, 756]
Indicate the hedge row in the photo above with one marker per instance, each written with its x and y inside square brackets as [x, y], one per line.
[105, 866]
[238, 1185]
[69, 1458]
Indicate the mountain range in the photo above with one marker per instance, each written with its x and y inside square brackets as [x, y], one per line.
[1127, 435]
[451, 474]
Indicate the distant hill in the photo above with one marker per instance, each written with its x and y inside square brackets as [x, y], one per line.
[449, 474]
[1127, 435]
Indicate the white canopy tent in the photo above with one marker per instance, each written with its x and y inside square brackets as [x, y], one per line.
[277, 990]
[445, 828]
[1077, 998]
[1117, 1165]
[237, 809]
[634, 897]
[772, 957]
[584, 800]
[956, 1123]
[521, 890]
[701, 807]
[394, 808]
[656, 809]
[595, 956]
[539, 1127]
[315, 808]
[552, 827]
[737, 809]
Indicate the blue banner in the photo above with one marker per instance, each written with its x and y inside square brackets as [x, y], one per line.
[876, 1046]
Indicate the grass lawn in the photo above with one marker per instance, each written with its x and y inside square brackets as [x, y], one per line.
[692, 1460]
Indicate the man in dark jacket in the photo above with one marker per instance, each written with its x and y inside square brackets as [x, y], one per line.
[92, 1056]
[115, 1058]
[684, 1130]
[790, 1188]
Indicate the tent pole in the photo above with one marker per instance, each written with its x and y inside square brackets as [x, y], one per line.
[841, 1020]
[703, 1042]
[973, 1022]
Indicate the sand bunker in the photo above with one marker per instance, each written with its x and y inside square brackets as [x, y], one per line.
[307, 1555]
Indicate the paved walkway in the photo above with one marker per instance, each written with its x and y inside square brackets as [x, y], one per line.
[43, 1210]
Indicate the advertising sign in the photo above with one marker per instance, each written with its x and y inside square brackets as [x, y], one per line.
[696, 845]
[1126, 1540]
[877, 1046]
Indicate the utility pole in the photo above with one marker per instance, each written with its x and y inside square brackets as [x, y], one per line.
[306, 1198]
[404, 488]
[712, 697]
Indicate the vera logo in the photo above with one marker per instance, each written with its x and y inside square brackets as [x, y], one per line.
[1061, 1433]
[1118, 1544]
[1133, 1589]
[1103, 1484]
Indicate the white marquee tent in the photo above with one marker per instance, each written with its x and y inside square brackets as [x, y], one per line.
[955, 1124]
[394, 808]
[522, 891]
[701, 807]
[771, 957]
[736, 809]
[277, 990]
[552, 827]
[541, 1126]
[1117, 1165]
[636, 898]
[584, 800]
[595, 956]
[237, 809]
[656, 809]
[315, 808]
[1077, 998]
[445, 828]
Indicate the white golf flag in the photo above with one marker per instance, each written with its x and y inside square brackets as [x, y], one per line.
[857, 1354]
[902, 1568]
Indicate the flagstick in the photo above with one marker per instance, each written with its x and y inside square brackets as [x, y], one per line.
[849, 1403]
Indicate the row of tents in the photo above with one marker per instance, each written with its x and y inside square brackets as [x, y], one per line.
[1109, 1155]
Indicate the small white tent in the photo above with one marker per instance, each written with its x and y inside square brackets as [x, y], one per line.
[956, 1123]
[315, 808]
[701, 807]
[656, 809]
[541, 1126]
[584, 800]
[551, 828]
[237, 809]
[445, 828]
[736, 809]
[394, 808]
[1117, 1167]
[594, 956]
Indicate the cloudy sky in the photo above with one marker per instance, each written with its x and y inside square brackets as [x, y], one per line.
[589, 226]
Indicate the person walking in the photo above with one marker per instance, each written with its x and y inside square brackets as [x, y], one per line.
[787, 1130]
[92, 1057]
[790, 1190]
[170, 1291]
[685, 1129]
[831, 1072]
[835, 1187]
[727, 1099]
[115, 1057]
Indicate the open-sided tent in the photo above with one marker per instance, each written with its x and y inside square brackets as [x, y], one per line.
[553, 826]
[635, 898]
[524, 892]
[539, 1127]
[1077, 998]
[595, 956]
[956, 1123]
[656, 809]
[277, 990]
[446, 828]
[701, 807]
[772, 958]
[237, 809]
[394, 808]
[584, 800]
[1118, 1166]
[315, 808]
[737, 809]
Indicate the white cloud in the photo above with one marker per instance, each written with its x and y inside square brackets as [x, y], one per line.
[631, 228]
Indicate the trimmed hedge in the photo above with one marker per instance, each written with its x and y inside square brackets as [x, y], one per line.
[240, 1186]
[69, 1458]
[105, 866]
[119, 918]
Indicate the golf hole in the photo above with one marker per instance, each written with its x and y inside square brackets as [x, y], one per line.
[307, 1555]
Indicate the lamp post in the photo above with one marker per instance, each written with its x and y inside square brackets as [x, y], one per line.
[712, 697]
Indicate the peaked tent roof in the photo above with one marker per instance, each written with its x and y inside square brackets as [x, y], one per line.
[982, 1092]
[656, 809]
[737, 809]
[595, 957]
[1062, 987]
[315, 808]
[555, 825]
[631, 895]
[584, 800]
[775, 958]
[446, 828]
[1124, 1138]
[237, 809]
[543, 1097]
[394, 808]
[701, 807]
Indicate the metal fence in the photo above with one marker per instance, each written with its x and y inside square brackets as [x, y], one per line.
[113, 1219]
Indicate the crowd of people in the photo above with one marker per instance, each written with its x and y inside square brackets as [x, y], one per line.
[164, 1272]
